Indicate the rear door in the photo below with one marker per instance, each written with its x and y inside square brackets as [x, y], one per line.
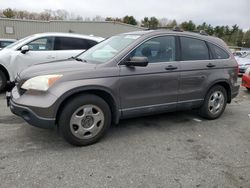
[67, 47]
[199, 68]
[145, 90]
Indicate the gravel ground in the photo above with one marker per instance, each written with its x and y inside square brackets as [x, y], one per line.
[170, 150]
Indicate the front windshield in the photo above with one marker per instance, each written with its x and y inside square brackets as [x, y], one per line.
[17, 42]
[108, 49]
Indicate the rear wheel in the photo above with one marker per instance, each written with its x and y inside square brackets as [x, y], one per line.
[84, 120]
[3, 81]
[215, 103]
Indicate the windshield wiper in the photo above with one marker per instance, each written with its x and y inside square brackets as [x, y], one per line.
[76, 58]
[79, 59]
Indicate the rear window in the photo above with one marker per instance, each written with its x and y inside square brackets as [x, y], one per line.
[217, 52]
[193, 49]
[69, 43]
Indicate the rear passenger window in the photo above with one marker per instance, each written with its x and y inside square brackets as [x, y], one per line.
[217, 52]
[68, 43]
[193, 49]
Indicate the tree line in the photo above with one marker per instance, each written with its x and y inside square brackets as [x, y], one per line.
[232, 35]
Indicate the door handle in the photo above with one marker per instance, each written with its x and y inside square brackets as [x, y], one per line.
[171, 67]
[210, 65]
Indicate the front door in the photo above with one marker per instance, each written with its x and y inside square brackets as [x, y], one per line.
[40, 51]
[154, 88]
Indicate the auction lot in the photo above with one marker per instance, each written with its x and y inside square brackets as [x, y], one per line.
[170, 150]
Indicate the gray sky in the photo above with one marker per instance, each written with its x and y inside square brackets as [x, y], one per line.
[215, 12]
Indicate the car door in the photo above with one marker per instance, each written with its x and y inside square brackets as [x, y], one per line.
[197, 67]
[67, 47]
[40, 50]
[154, 88]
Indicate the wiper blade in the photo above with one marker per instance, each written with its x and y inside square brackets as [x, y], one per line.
[76, 58]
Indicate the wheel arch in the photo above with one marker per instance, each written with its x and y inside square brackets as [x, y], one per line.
[101, 92]
[5, 71]
[226, 85]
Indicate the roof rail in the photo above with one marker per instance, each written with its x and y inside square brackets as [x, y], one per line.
[202, 32]
[176, 28]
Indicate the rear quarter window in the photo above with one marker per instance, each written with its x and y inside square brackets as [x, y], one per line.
[217, 52]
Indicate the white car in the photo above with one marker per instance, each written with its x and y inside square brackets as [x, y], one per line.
[240, 53]
[243, 62]
[41, 48]
[6, 42]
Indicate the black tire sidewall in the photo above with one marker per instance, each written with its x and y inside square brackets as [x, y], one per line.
[69, 109]
[204, 109]
[4, 81]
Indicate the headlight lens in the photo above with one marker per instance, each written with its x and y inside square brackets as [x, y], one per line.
[41, 83]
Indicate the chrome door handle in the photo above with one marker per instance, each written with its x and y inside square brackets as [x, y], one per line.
[171, 67]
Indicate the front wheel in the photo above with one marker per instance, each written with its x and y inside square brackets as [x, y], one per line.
[84, 119]
[215, 103]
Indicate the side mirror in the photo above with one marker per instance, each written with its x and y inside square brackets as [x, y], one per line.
[137, 61]
[25, 49]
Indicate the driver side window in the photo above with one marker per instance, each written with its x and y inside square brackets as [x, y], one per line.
[42, 44]
[158, 49]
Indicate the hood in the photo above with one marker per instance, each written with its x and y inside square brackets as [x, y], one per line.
[243, 61]
[65, 67]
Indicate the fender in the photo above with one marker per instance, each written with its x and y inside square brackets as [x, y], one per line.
[219, 81]
[98, 90]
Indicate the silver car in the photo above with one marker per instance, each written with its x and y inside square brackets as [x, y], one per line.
[243, 62]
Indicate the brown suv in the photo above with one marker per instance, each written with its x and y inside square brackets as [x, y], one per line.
[128, 75]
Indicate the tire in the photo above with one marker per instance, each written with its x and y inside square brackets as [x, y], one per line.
[248, 88]
[3, 81]
[214, 105]
[84, 119]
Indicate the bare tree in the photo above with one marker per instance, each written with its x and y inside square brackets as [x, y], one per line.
[163, 22]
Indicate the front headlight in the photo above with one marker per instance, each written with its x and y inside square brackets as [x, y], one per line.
[41, 83]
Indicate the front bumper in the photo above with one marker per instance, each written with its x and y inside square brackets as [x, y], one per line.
[27, 112]
[30, 117]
